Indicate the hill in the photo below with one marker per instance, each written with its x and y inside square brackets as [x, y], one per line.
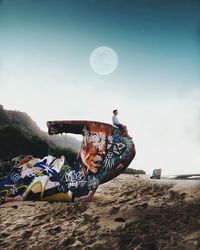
[26, 124]
[19, 134]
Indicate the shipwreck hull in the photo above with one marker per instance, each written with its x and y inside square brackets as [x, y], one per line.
[105, 153]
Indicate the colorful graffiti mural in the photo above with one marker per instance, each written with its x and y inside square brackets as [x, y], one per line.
[105, 153]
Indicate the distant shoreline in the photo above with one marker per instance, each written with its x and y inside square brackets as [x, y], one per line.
[170, 177]
[183, 177]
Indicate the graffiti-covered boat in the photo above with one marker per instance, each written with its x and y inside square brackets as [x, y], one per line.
[105, 153]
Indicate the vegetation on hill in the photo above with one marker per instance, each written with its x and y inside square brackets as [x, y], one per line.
[134, 171]
[20, 135]
[28, 126]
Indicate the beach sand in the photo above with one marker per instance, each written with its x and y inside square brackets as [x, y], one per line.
[126, 213]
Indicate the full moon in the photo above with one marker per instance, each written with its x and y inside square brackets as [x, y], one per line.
[103, 60]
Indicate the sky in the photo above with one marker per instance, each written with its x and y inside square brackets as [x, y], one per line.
[45, 71]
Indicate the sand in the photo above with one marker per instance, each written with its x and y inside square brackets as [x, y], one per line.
[126, 213]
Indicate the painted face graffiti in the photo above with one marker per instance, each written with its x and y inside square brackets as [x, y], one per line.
[94, 147]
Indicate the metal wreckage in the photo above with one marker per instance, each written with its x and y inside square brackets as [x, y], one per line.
[106, 151]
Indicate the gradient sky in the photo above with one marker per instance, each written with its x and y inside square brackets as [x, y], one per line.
[45, 48]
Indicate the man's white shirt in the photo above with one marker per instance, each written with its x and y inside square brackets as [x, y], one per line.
[115, 120]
